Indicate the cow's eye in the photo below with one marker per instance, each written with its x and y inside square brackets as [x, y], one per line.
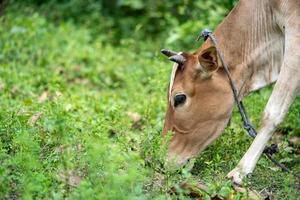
[179, 99]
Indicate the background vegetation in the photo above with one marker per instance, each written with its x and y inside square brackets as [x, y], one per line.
[83, 98]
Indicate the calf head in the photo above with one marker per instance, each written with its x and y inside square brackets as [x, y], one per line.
[200, 103]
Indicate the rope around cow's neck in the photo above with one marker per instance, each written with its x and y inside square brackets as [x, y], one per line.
[269, 150]
[247, 125]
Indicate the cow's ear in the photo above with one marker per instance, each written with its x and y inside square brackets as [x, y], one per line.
[208, 60]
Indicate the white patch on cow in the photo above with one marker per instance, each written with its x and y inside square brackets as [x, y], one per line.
[172, 78]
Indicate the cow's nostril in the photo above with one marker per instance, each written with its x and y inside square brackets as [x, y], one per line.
[179, 99]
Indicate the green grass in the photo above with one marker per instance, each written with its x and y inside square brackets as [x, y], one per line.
[84, 145]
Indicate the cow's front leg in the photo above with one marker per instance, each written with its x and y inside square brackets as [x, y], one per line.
[283, 94]
[249, 160]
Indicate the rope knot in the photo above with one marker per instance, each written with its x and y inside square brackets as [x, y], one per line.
[204, 33]
[271, 149]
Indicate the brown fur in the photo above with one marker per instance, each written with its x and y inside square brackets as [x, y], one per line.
[251, 38]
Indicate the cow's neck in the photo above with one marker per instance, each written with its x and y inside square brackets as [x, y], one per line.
[252, 44]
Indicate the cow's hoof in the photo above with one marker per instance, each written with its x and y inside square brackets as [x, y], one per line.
[236, 175]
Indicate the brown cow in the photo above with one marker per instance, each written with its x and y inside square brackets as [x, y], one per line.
[260, 40]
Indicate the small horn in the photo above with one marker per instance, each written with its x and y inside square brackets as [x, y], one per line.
[168, 52]
[178, 59]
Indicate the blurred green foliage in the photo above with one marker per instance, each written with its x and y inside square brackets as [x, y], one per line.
[176, 21]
